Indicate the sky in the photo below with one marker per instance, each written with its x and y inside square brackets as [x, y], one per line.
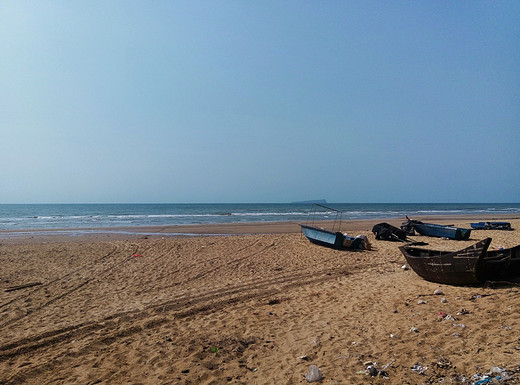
[259, 101]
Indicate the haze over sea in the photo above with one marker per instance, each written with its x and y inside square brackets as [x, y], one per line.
[83, 216]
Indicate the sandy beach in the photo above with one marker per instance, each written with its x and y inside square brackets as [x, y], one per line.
[256, 307]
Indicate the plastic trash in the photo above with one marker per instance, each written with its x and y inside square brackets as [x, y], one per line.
[496, 371]
[372, 370]
[441, 314]
[419, 369]
[496, 375]
[487, 380]
[314, 374]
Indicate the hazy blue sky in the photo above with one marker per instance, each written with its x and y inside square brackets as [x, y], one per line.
[259, 101]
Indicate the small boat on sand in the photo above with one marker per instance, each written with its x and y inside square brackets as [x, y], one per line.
[330, 238]
[502, 264]
[441, 231]
[335, 240]
[461, 267]
[470, 266]
[491, 226]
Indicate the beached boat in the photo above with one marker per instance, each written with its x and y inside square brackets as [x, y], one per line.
[472, 265]
[491, 226]
[502, 264]
[463, 267]
[441, 231]
[387, 232]
[333, 239]
[329, 238]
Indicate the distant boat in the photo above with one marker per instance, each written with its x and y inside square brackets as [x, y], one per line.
[491, 226]
[463, 267]
[335, 240]
[441, 231]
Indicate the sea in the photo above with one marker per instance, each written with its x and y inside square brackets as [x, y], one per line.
[16, 217]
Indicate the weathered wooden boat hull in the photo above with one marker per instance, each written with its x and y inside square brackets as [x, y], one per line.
[335, 240]
[499, 265]
[463, 267]
[451, 232]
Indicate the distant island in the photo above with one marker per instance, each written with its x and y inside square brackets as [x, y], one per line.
[319, 201]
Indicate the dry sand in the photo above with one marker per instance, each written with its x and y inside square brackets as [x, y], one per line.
[258, 307]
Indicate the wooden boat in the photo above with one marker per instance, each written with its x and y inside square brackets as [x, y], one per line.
[491, 226]
[502, 264]
[335, 240]
[442, 231]
[463, 267]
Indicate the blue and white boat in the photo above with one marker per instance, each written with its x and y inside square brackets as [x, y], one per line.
[433, 230]
[491, 226]
[335, 240]
[330, 238]
[442, 231]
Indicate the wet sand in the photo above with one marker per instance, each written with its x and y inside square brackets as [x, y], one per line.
[161, 306]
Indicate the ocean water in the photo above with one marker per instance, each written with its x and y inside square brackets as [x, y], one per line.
[84, 216]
